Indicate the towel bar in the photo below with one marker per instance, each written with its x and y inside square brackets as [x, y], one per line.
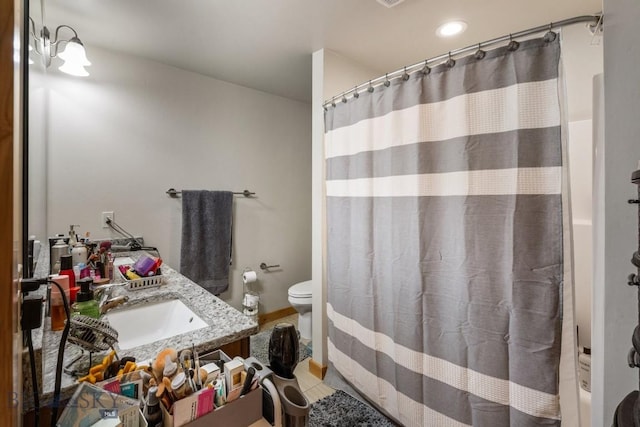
[172, 192]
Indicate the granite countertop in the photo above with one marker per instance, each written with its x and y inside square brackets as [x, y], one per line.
[226, 325]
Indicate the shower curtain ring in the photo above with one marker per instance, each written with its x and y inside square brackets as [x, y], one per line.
[479, 53]
[513, 45]
[450, 62]
[333, 101]
[550, 36]
[356, 95]
[387, 83]
[370, 88]
[344, 99]
[405, 75]
[425, 70]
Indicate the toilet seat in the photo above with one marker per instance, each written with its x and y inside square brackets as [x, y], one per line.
[301, 290]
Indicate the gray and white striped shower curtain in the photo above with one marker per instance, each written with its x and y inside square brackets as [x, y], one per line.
[446, 242]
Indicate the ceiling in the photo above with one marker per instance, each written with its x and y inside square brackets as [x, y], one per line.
[267, 44]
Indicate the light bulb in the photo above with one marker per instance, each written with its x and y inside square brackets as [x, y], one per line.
[451, 28]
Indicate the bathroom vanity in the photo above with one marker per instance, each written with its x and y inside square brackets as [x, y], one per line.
[221, 327]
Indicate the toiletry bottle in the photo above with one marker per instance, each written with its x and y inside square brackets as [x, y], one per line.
[152, 412]
[181, 386]
[110, 266]
[85, 304]
[66, 269]
[79, 254]
[57, 250]
[56, 305]
[584, 368]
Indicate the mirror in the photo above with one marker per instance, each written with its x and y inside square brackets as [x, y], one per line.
[117, 140]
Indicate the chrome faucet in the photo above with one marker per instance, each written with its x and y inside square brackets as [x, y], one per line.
[110, 303]
[107, 302]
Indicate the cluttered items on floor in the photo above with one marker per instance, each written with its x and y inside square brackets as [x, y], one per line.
[172, 390]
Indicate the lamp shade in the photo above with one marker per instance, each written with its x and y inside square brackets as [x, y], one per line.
[74, 52]
[75, 58]
[73, 69]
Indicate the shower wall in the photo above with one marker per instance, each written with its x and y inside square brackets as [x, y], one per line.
[582, 59]
[581, 159]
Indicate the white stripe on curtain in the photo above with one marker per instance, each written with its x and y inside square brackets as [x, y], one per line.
[527, 400]
[543, 180]
[400, 406]
[520, 106]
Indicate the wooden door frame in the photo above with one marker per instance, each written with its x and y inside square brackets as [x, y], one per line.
[10, 220]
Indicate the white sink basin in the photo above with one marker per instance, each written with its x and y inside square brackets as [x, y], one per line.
[147, 323]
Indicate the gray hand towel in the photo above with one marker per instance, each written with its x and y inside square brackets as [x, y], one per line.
[205, 252]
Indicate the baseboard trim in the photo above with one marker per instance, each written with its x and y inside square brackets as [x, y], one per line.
[317, 369]
[275, 315]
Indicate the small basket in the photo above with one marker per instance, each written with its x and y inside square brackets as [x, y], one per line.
[141, 283]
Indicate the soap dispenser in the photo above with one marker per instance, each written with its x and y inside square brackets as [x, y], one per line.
[85, 304]
[72, 235]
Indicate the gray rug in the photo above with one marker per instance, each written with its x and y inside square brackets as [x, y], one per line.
[342, 410]
[260, 347]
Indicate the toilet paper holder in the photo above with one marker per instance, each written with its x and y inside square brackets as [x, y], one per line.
[264, 266]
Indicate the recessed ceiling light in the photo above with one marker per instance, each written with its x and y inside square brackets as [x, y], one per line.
[451, 28]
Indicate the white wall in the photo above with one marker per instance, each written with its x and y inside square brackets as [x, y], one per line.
[120, 138]
[342, 73]
[616, 309]
[332, 74]
[581, 60]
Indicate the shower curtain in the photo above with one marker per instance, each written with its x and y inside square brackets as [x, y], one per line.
[447, 226]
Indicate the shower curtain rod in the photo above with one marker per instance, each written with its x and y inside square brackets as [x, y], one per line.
[594, 20]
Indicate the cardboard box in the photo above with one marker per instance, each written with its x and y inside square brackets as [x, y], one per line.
[90, 404]
[241, 412]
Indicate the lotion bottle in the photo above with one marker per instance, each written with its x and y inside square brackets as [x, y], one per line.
[584, 368]
[56, 304]
[79, 254]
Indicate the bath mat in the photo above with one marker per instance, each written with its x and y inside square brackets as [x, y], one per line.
[260, 347]
[342, 410]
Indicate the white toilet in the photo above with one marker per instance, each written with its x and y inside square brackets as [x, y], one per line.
[300, 299]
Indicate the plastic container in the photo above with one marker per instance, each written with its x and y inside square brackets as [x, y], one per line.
[181, 386]
[584, 369]
[250, 304]
[79, 254]
[141, 283]
[56, 305]
[59, 249]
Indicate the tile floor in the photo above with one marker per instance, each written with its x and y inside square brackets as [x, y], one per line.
[312, 387]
